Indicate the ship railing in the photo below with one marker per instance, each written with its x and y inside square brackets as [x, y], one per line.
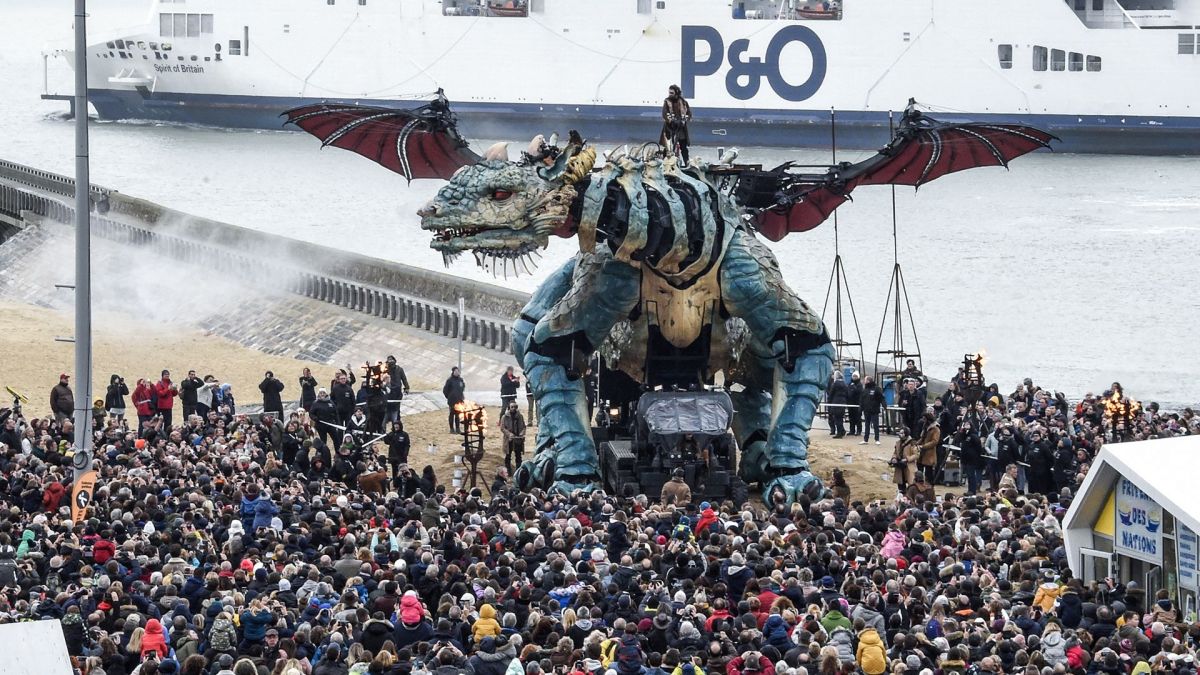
[486, 331]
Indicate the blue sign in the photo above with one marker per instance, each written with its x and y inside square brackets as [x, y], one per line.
[746, 72]
[1185, 548]
[1138, 531]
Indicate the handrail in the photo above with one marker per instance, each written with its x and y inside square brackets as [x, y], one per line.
[387, 303]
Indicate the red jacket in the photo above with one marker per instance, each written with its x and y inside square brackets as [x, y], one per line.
[102, 551]
[153, 640]
[708, 517]
[142, 394]
[166, 395]
[716, 616]
[735, 666]
[52, 495]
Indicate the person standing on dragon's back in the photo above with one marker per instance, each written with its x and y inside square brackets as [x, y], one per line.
[676, 114]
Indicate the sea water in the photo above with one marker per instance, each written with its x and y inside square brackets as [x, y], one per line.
[1075, 270]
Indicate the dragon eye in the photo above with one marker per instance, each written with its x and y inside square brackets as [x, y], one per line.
[501, 195]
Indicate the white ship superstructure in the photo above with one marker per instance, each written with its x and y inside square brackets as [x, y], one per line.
[1105, 75]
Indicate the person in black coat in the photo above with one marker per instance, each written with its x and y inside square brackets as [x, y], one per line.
[308, 389]
[326, 417]
[870, 404]
[114, 398]
[399, 388]
[455, 391]
[854, 392]
[398, 444]
[837, 397]
[188, 395]
[342, 394]
[270, 388]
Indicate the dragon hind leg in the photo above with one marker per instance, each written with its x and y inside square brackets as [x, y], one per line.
[788, 342]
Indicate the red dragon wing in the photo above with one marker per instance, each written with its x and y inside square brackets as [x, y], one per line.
[421, 143]
[922, 149]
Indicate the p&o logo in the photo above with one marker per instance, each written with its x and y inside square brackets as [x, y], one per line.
[747, 72]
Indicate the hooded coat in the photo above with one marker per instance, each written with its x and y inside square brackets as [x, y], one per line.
[153, 640]
[1054, 648]
[871, 655]
[893, 543]
[486, 625]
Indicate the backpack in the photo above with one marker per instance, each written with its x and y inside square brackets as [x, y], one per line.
[628, 656]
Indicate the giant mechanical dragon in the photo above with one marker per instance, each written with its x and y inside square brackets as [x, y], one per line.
[672, 282]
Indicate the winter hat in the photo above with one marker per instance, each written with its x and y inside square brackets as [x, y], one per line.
[912, 662]
[285, 585]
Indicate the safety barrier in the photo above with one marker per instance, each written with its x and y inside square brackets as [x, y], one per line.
[389, 304]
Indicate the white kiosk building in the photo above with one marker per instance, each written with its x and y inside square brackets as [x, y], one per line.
[1136, 517]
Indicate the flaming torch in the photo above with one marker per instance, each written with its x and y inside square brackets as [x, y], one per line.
[472, 419]
[973, 382]
[1120, 411]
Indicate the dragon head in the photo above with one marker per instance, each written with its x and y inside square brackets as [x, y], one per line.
[504, 211]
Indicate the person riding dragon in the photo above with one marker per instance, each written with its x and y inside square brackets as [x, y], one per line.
[672, 282]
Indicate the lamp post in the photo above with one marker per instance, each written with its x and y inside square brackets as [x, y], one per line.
[83, 250]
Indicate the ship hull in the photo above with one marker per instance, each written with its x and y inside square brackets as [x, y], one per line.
[797, 128]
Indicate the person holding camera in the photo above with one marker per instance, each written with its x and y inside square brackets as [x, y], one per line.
[114, 397]
[904, 461]
[271, 387]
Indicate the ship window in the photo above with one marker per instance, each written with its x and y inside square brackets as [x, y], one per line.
[180, 24]
[660, 4]
[235, 47]
[120, 44]
[166, 46]
[287, 27]
[1187, 43]
[123, 55]
[1097, 5]
[193, 25]
[643, 6]
[330, 2]
[195, 58]
[154, 46]
[362, 3]
[141, 45]
[1040, 58]
[1080, 5]
[111, 45]
[206, 23]
[1075, 62]
[1093, 64]
[1004, 52]
[1058, 59]
[164, 25]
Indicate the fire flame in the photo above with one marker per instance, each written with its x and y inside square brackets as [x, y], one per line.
[981, 357]
[472, 415]
[1119, 406]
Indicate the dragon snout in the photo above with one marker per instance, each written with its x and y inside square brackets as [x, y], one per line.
[428, 211]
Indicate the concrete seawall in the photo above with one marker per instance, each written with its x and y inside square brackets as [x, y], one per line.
[391, 291]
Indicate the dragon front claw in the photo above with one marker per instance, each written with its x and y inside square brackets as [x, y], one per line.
[567, 487]
[537, 472]
[788, 488]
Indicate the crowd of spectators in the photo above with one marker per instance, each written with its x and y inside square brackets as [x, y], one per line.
[259, 545]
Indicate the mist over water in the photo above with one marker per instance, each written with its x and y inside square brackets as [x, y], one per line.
[1074, 270]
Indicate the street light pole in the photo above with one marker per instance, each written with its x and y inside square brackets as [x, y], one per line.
[83, 251]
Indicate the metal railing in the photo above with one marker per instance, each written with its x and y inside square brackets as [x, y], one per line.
[388, 304]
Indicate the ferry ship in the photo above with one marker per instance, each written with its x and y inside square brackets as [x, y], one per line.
[1112, 76]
